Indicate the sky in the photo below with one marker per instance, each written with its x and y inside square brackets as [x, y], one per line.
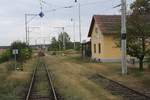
[12, 18]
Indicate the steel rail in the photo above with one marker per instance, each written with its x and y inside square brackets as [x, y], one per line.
[51, 83]
[31, 84]
[134, 91]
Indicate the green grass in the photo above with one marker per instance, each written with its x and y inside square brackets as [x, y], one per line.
[12, 82]
[135, 79]
[72, 82]
[42, 86]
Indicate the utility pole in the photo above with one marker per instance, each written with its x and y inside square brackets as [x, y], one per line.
[64, 38]
[26, 25]
[28, 33]
[35, 42]
[74, 35]
[26, 28]
[123, 37]
[50, 38]
[73, 21]
[41, 14]
[80, 22]
[79, 7]
[44, 46]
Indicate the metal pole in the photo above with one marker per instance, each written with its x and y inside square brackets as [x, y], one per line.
[64, 37]
[35, 42]
[80, 21]
[74, 33]
[15, 62]
[73, 21]
[50, 38]
[26, 29]
[28, 35]
[26, 25]
[123, 37]
[44, 44]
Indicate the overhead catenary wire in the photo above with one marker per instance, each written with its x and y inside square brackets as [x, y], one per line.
[43, 2]
[71, 6]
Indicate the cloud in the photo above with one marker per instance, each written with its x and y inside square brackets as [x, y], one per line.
[12, 17]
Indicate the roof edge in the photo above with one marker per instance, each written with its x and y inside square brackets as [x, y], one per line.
[94, 21]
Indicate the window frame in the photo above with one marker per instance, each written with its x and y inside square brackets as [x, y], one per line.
[99, 48]
[94, 48]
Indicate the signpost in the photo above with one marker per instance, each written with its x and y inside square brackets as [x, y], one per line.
[15, 52]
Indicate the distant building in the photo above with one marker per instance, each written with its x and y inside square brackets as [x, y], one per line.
[102, 31]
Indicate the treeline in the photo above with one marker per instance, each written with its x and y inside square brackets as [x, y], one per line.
[58, 44]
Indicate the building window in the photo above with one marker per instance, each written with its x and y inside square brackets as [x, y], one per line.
[99, 47]
[94, 48]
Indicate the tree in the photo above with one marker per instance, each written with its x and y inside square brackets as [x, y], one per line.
[54, 46]
[54, 40]
[141, 7]
[25, 52]
[5, 56]
[138, 30]
[58, 44]
[63, 37]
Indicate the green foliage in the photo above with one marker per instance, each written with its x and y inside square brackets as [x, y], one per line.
[25, 52]
[141, 6]
[63, 37]
[57, 45]
[78, 46]
[5, 56]
[54, 46]
[70, 45]
[138, 30]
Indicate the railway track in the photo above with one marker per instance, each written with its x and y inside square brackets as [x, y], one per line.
[118, 89]
[41, 86]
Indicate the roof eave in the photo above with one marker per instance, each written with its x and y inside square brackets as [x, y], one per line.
[91, 27]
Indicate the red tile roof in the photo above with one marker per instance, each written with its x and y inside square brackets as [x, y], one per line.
[107, 24]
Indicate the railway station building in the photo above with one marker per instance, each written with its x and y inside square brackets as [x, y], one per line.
[102, 31]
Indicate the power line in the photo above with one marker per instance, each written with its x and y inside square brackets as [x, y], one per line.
[71, 6]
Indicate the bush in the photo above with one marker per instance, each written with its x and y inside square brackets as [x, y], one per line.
[53, 53]
[25, 52]
[5, 56]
